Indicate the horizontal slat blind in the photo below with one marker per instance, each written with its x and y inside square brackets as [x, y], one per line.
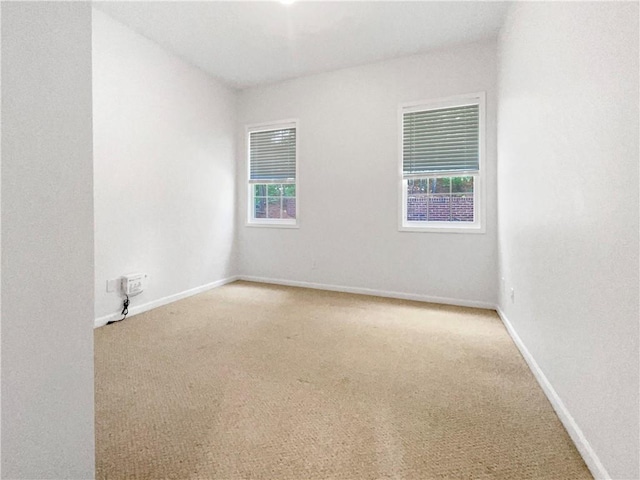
[441, 140]
[272, 154]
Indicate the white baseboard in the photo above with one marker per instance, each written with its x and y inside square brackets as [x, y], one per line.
[99, 322]
[582, 444]
[369, 291]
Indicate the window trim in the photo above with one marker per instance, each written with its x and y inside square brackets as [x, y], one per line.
[250, 220]
[479, 224]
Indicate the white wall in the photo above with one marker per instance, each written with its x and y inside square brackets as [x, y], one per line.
[568, 210]
[47, 241]
[348, 180]
[164, 136]
[0, 243]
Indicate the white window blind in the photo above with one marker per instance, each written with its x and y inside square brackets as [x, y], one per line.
[441, 140]
[272, 156]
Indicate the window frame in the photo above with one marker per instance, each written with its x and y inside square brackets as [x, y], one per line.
[479, 224]
[250, 220]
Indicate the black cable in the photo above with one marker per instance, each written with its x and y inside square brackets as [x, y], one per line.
[125, 310]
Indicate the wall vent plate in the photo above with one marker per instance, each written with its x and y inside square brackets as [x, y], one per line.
[134, 283]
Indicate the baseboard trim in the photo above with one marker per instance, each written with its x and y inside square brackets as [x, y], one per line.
[99, 322]
[582, 444]
[372, 292]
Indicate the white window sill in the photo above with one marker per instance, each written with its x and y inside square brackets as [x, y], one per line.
[271, 225]
[442, 229]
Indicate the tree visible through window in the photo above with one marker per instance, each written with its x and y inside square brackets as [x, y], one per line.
[441, 164]
[276, 200]
[272, 175]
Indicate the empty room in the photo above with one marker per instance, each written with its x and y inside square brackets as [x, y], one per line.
[320, 240]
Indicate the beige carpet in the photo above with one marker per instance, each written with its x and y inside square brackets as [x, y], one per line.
[263, 382]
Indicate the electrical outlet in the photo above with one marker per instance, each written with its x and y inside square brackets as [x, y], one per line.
[314, 265]
[512, 294]
[112, 284]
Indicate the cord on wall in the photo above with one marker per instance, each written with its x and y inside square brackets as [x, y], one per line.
[125, 310]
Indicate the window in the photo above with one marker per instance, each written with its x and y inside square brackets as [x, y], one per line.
[272, 174]
[441, 165]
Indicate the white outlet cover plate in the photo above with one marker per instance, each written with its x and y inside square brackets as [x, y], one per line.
[111, 285]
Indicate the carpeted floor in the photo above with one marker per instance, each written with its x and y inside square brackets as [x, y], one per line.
[252, 381]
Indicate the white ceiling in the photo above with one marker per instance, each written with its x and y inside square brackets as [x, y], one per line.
[250, 43]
